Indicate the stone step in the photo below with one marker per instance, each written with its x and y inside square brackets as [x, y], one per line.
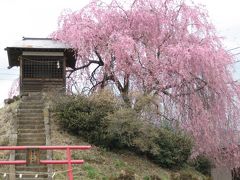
[37, 118]
[29, 110]
[31, 143]
[29, 175]
[32, 139]
[29, 93]
[24, 100]
[20, 157]
[23, 156]
[23, 152]
[35, 140]
[36, 132]
[26, 135]
[31, 126]
[32, 97]
[31, 178]
[35, 143]
[27, 131]
[30, 113]
[40, 118]
[33, 168]
[33, 116]
[33, 131]
[31, 102]
[28, 123]
[35, 122]
[30, 105]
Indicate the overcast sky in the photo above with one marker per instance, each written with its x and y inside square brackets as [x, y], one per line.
[31, 18]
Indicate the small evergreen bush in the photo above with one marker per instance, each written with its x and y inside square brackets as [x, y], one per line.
[166, 147]
[202, 164]
[84, 116]
[123, 128]
[174, 149]
[126, 130]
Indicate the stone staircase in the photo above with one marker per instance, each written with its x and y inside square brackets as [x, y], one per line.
[31, 132]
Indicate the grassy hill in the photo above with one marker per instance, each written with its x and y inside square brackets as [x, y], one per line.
[103, 164]
[99, 163]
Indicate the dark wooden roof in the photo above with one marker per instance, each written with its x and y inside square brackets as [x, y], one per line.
[39, 45]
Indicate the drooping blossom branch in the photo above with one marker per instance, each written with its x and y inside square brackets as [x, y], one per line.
[166, 48]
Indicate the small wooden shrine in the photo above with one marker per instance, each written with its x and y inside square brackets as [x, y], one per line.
[43, 63]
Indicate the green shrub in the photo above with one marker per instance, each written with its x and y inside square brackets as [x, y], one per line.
[174, 149]
[123, 128]
[103, 120]
[166, 147]
[202, 164]
[84, 116]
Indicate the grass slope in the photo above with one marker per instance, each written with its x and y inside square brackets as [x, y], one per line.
[99, 163]
[103, 164]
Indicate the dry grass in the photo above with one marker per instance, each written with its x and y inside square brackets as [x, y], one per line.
[6, 120]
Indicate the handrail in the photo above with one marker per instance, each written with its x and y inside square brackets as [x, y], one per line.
[68, 160]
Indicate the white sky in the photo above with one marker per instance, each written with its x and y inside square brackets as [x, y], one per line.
[31, 18]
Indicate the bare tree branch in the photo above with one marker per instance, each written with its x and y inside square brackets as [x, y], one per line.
[99, 62]
[82, 67]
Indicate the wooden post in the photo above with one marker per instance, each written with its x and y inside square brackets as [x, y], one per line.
[21, 74]
[64, 74]
[33, 156]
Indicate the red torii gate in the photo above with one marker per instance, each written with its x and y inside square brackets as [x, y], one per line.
[68, 161]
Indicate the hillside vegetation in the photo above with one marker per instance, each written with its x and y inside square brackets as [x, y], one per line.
[101, 162]
[126, 144]
[118, 165]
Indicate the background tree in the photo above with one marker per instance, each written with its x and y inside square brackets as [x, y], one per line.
[166, 48]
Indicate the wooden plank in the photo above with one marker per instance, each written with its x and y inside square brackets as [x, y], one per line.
[37, 53]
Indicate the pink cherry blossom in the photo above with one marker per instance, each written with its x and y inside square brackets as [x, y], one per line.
[167, 48]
